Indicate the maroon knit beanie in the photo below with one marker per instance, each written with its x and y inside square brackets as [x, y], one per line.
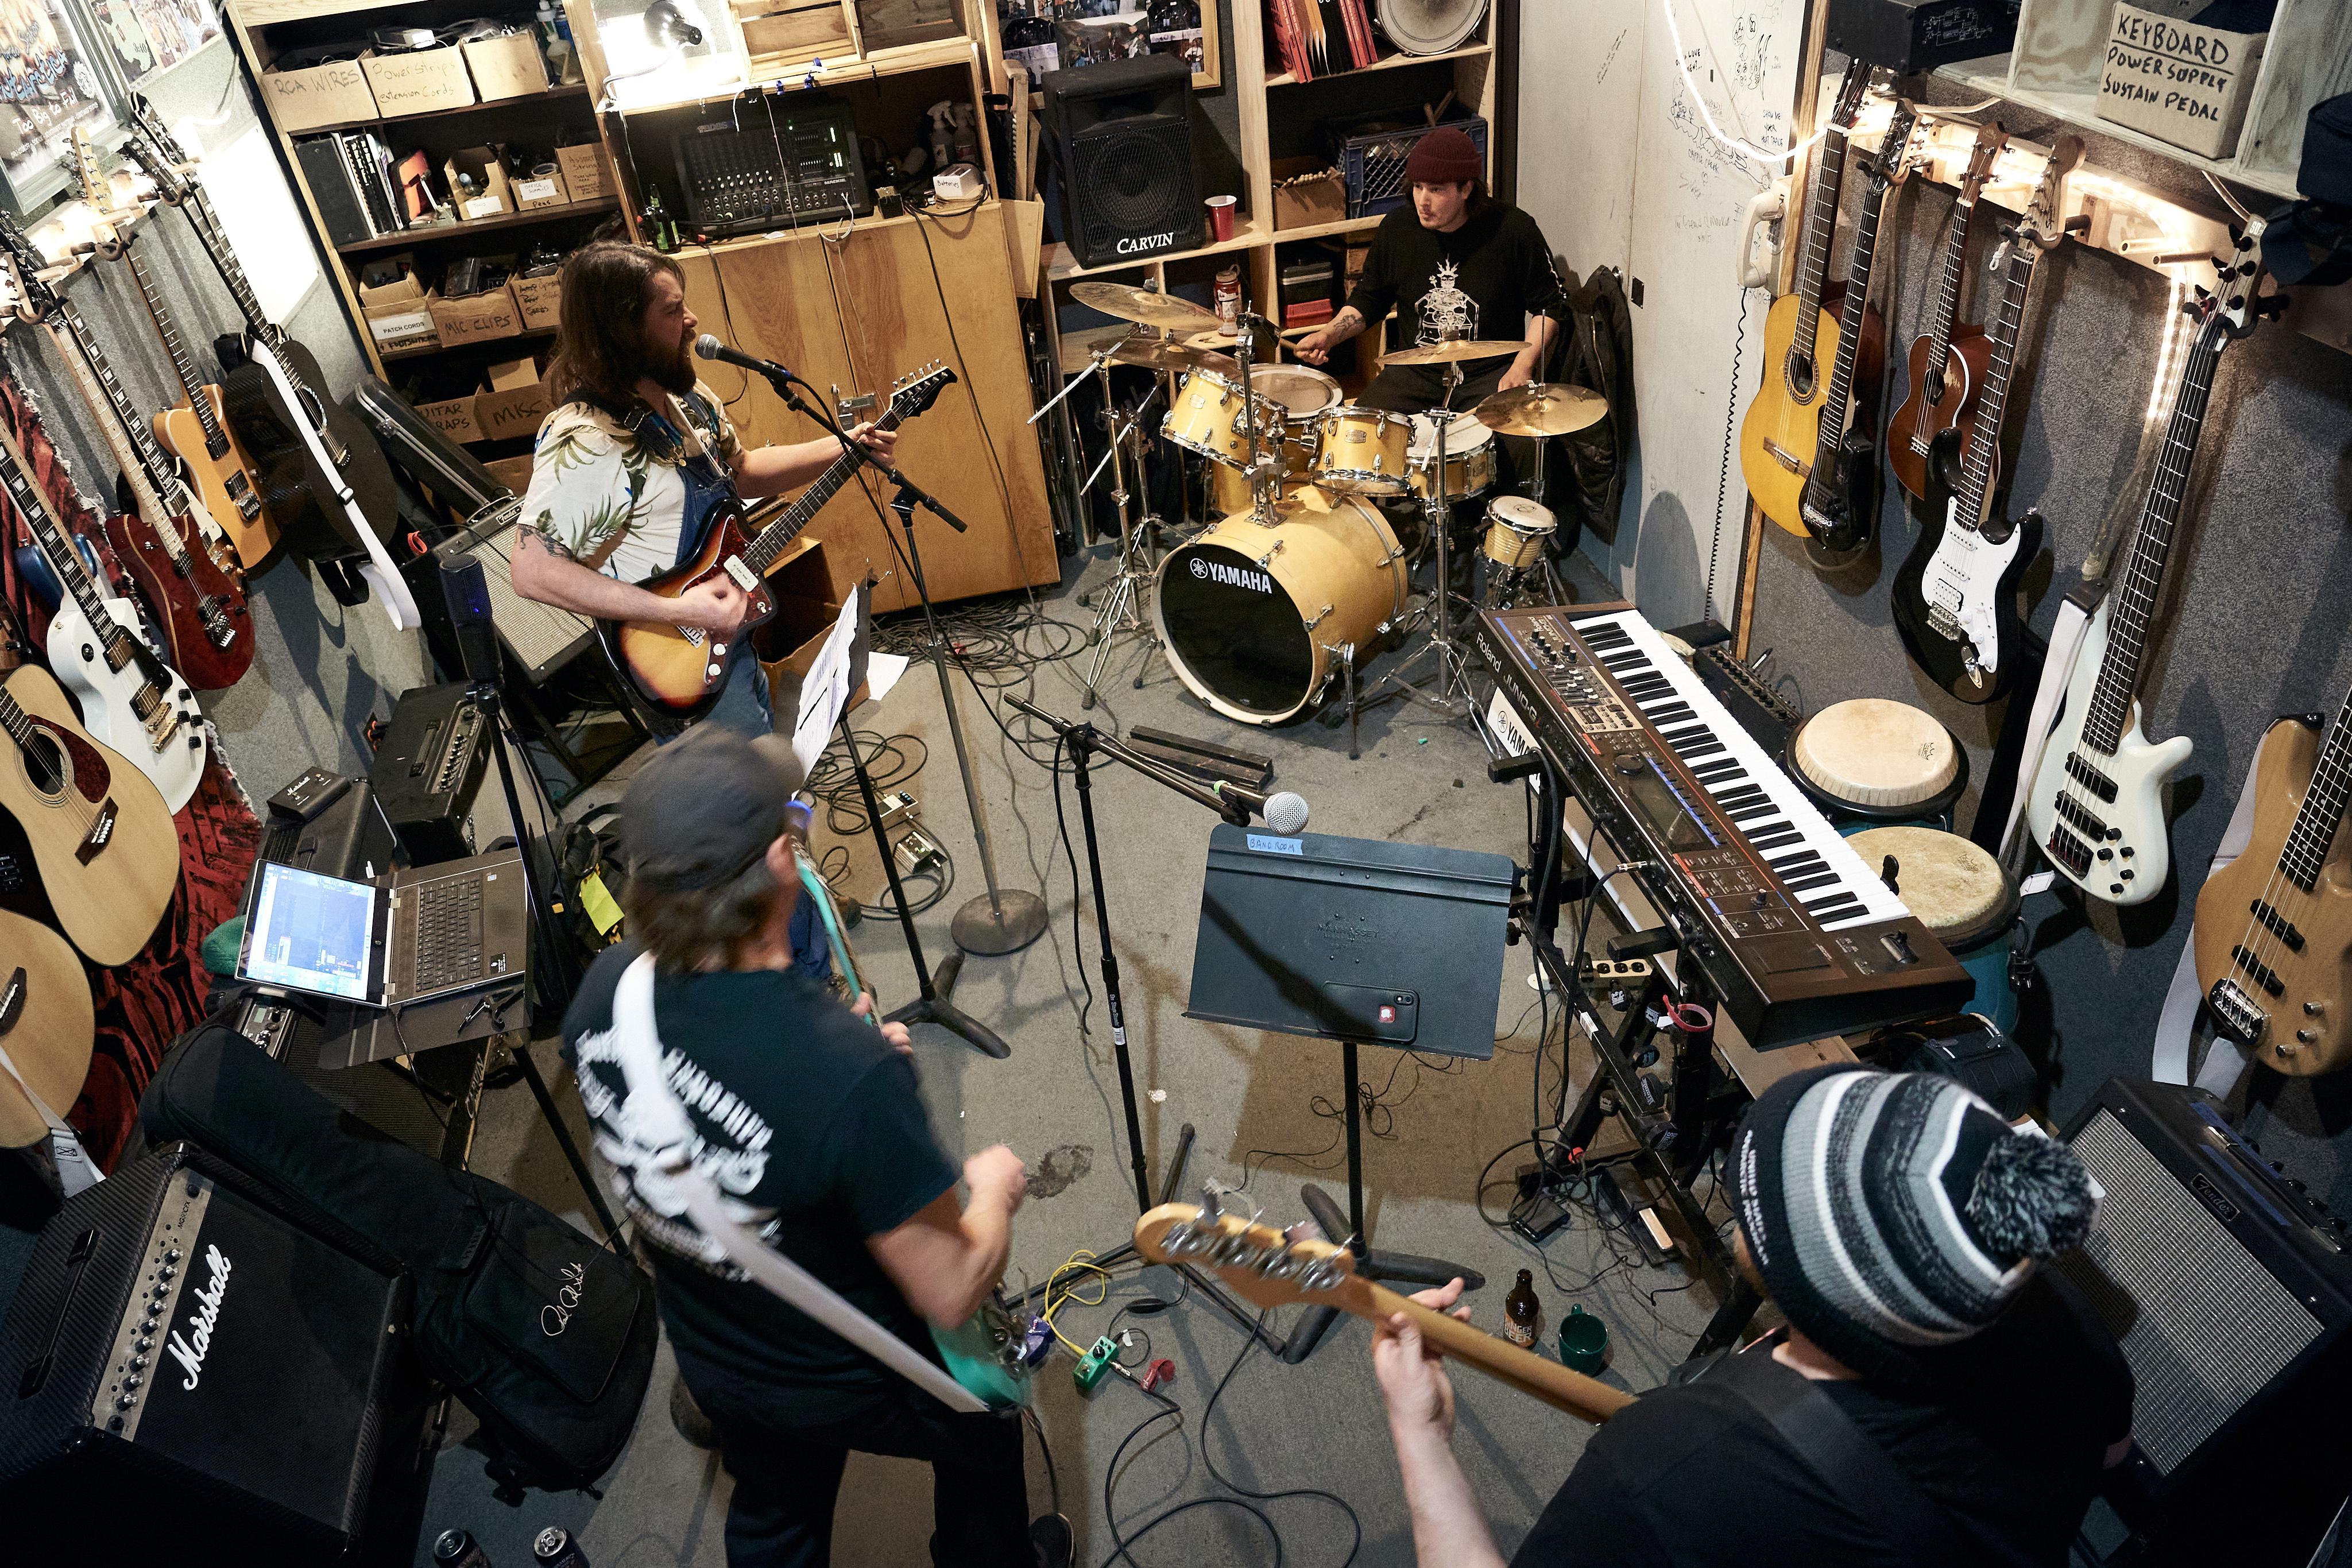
[1446, 156]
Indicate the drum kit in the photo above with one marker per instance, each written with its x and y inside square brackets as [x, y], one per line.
[1261, 609]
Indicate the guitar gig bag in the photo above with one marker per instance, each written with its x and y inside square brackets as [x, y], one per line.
[547, 1336]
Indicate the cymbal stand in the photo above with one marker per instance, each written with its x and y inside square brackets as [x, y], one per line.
[1123, 610]
[1450, 674]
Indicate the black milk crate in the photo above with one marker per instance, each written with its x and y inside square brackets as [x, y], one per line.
[1372, 162]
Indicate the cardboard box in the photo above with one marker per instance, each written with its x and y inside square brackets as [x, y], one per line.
[453, 417]
[406, 287]
[402, 323]
[514, 473]
[536, 299]
[539, 190]
[1307, 191]
[477, 318]
[586, 174]
[2177, 81]
[511, 66]
[334, 94]
[787, 643]
[513, 403]
[422, 81]
[492, 195]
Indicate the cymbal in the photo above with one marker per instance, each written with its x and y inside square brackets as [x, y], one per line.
[1543, 408]
[1144, 305]
[1157, 353]
[1447, 353]
[1266, 343]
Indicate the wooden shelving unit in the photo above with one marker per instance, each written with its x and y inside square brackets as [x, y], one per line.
[407, 238]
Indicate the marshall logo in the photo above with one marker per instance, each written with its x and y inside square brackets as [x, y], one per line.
[556, 1316]
[190, 1351]
[1233, 576]
[1136, 244]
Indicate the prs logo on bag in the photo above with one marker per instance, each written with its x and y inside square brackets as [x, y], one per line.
[190, 1352]
[557, 1312]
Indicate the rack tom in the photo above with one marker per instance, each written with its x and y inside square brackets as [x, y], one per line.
[1962, 893]
[1301, 393]
[1469, 457]
[1206, 417]
[1363, 451]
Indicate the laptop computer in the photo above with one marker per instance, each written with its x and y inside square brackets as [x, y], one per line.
[419, 932]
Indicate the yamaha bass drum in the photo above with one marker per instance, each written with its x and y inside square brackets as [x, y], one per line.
[1256, 618]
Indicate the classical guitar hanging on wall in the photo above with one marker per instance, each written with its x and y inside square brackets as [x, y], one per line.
[1955, 595]
[1948, 365]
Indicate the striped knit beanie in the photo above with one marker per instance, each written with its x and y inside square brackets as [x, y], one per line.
[1895, 1213]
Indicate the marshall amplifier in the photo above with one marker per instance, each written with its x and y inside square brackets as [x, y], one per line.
[2230, 1288]
[187, 1374]
[1123, 133]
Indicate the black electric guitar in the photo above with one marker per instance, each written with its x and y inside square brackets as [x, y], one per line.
[301, 497]
[1839, 503]
[1955, 596]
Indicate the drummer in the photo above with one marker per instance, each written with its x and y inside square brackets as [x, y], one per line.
[1455, 263]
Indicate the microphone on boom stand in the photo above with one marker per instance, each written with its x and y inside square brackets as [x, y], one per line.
[707, 347]
[1283, 813]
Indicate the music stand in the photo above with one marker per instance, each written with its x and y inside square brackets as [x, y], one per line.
[1360, 941]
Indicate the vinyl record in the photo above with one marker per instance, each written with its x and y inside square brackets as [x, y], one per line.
[1430, 27]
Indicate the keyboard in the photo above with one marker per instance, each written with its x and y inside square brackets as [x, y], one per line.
[448, 934]
[1794, 933]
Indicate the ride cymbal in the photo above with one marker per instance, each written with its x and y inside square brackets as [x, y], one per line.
[1447, 353]
[1541, 408]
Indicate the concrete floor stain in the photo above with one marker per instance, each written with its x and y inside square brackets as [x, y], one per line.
[1056, 1168]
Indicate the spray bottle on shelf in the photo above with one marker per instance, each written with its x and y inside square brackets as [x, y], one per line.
[943, 139]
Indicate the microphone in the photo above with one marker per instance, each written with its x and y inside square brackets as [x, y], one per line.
[1284, 813]
[707, 347]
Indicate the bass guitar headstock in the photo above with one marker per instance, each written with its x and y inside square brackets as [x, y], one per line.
[2043, 225]
[1261, 1265]
[915, 395]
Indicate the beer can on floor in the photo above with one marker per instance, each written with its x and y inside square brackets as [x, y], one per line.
[554, 1548]
[458, 1549]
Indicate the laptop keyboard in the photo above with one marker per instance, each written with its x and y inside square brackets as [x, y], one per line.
[448, 934]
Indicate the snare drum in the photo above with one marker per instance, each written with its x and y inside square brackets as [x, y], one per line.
[1302, 393]
[1362, 451]
[1516, 529]
[1206, 417]
[1870, 762]
[1469, 457]
[1959, 893]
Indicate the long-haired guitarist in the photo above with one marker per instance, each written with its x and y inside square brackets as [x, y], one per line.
[636, 458]
[809, 1122]
[1939, 1397]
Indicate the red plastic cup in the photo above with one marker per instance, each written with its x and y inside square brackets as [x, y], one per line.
[1221, 219]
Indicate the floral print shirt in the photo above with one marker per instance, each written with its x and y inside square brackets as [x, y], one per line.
[601, 495]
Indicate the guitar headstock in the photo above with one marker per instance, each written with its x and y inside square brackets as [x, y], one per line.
[1893, 165]
[32, 298]
[1261, 1264]
[157, 151]
[915, 394]
[1851, 92]
[95, 190]
[2043, 224]
[1990, 140]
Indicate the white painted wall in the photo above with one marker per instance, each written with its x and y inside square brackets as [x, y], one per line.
[1618, 167]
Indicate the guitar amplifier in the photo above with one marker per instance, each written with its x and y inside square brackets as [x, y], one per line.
[796, 161]
[1907, 36]
[1123, 133]
[189, 1374]
[2230, 1289]
[428, 768]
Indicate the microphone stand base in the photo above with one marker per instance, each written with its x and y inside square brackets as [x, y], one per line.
[1010, 923]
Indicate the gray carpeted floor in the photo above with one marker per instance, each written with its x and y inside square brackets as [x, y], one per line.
[1261, 1105]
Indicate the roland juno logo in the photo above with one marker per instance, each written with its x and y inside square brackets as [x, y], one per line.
[190, 1351]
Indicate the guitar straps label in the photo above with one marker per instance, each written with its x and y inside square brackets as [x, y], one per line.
[100, 830]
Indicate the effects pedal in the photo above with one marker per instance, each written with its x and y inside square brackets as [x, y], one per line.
[1538, 1216]
[898, 806]
[915, 851]
[1637, 1216]
[1097, 1364]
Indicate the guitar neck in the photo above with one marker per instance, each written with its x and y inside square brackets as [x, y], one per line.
[143, 462]
[1821, 227]
[1947, 303]
[762, 551]
[1558, 1386]
[1849, 317]
[2324, 801]
[50, 538]
[199, 208]
[184, 366]
[2132, 605]
[15, 720]
[1984, 439]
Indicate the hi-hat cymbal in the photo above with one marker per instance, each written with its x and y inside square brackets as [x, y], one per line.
[1158, 354]
[1544, 408]
[1153, 310]
[1447, 353]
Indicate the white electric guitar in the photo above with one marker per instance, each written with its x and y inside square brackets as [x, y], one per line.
[130, 700]
[2096, 804]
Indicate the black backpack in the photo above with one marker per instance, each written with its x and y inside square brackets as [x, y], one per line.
[1599, 354]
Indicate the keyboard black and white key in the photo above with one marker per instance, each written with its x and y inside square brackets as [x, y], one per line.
[1807, 939]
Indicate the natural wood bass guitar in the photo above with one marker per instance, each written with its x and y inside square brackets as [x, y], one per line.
[1948, 365]
[2273, 931]
[102, 835]
[1268, 1270]
[673, 672]
[1781, 430]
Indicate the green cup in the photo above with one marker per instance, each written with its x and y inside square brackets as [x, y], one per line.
[1583, 1341]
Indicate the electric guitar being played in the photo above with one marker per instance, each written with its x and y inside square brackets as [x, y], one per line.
[212, 463]
[2274, 930]
[325, 483]
[1955, 596]
[1782, 430]
[1947, 366]
[200, 609]
[132, 700]
[673, 672]
[2096, 801]
[1267, 1269]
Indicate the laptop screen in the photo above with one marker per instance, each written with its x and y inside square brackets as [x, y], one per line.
[310, 933]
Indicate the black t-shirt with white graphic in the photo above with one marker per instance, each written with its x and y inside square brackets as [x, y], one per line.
[812, 1125]
[1483, 280]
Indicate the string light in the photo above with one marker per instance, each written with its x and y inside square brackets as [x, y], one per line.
[1761, 155]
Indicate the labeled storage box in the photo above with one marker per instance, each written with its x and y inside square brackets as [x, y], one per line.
[586, 174]
[797, 27]
[514, 401]
[335, 94]
[399, 324]
[490, 195]
[453, 417]
[2177, 81]
[535, 300]
[477, 318]
[539, 190]
[402, 288]
[511, 66]
[420, 81]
